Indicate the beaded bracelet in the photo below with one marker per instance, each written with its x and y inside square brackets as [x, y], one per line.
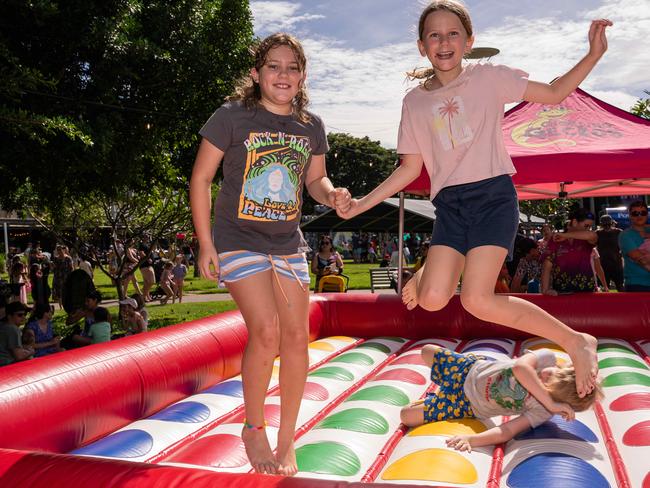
[253, 427]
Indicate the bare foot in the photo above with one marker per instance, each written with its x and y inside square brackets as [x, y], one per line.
[585, 362]
[286, 457]
[410, 292]
[259, 451]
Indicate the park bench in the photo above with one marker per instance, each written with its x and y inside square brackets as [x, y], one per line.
[382, 278]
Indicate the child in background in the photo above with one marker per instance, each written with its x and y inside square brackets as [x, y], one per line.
[532, 387]
[100, 330]
[179, 271]
[271, 148]
[167, 283]
[451, 123]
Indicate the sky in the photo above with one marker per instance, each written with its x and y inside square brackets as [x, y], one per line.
[358, 51]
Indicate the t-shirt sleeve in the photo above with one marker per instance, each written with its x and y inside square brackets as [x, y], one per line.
[545, 358]
[406, 142]
[536, 413]
[219, 128]
[322, 145]
[509, 83]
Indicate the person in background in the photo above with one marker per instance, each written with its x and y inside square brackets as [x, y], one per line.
[19, 278]
[502, 284]
[40, 323]
[62, 266]
[39, 284]
[631, 240]
[547, 234]
[77, 336]
[599, 273]
[146, 269]
[167, 283]
[610, 253]
[142, 310]
[132, 319]
[12, 349]
[529, 270]
[100, 329]
[567, 260]
[326, 260]
[179, 272]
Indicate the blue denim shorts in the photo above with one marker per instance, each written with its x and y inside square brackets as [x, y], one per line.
[482, 213]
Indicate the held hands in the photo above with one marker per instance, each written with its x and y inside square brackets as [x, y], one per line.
[208, 256]
[341, 200]
[597, 37]
[460, 443]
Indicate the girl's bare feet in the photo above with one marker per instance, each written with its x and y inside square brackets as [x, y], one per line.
[410, 291]
[286, 456]
[259, 451]
[585, 361]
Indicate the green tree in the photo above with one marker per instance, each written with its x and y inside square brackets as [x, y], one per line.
[555, 210]
[357, 163]
[108, 96]
[642, 107]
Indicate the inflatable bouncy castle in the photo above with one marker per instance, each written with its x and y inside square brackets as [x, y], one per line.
[165, 408]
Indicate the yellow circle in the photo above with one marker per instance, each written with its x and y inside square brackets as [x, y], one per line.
[343, 338]
[438, 465]
[449, 428]
[323, 346]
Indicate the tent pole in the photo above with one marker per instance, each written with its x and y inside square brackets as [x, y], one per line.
[400, 242]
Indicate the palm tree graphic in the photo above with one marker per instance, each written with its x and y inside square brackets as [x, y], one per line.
[449, 109]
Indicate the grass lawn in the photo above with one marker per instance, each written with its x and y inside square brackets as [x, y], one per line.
[160, 316]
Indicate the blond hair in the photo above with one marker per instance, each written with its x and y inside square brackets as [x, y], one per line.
[562, 388]
[452, 6]
[248, 91]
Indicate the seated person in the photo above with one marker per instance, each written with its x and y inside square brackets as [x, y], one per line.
[567, 260]
[132, 319]
[531, 387]
[326, 261]
[12, 349]
[502, 284]
[40, 326]
[529, 270]
[100, 329]
[77, 336]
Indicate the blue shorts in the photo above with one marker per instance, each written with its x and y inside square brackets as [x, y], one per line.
[482, 213]
[448, 371]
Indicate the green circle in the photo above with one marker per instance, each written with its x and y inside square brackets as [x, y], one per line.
[375, 345]
[627, 378]
[327, 458]
[613, 347]
[381, 393]
[356, 420]
[354, 358]
[612, 362]
[334, 373]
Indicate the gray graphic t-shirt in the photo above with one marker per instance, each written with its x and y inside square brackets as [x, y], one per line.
[492, 389]
[266, 157]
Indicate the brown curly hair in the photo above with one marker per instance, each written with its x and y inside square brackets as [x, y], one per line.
[249, 92]
[451, 6]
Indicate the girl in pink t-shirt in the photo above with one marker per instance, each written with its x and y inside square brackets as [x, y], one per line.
[451, 124]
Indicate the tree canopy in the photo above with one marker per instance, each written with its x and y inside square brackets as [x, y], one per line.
[642, 107]
[108, 95]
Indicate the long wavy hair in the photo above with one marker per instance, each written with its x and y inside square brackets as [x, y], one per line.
[452, 6]
[249, 92]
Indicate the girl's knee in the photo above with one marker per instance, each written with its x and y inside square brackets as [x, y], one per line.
[265, 337]
[434, 299]
[479, 305]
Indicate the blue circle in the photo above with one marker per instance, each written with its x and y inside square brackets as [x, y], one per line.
[125, 444]
[555, 469]
[486, 347]
[229, 388]
[558, 428]
[184, 412]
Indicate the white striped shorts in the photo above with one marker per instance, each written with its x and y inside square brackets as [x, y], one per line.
[237, 265]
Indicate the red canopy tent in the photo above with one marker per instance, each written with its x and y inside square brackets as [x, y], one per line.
[582, 147]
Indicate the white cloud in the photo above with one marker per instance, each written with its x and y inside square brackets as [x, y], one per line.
[360, 90]
[278, 16]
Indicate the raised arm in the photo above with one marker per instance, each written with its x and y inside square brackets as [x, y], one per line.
[561, 88]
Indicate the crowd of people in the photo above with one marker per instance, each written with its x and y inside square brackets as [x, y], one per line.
[581, 258]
